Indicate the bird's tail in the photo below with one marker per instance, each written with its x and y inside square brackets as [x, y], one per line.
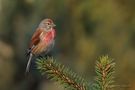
[29, 62]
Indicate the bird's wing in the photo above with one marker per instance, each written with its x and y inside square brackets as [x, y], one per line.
[42, 40]
[46, 42]
[36, 37]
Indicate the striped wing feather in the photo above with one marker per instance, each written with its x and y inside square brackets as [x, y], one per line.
[36, 38]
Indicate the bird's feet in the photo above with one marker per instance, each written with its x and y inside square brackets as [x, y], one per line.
[44, 56]
[40, 56]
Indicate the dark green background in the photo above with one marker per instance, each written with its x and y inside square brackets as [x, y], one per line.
[86, 29]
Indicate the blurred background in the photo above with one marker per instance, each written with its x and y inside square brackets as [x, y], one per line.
[86, 29]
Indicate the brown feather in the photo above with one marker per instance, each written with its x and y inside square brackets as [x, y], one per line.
[40, 40]
[39, 48]
[35, 38]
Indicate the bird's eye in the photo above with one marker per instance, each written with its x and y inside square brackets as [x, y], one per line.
[48, 23]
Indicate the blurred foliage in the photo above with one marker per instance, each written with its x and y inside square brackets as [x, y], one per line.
[86, 29]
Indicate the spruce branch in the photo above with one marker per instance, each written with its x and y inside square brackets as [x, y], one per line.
[104, 69]
[62, 74]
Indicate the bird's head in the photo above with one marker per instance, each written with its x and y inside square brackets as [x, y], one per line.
[47, 24]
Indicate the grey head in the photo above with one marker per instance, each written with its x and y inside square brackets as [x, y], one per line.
[47, 24]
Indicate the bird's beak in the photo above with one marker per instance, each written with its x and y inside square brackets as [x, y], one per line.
[53, 25]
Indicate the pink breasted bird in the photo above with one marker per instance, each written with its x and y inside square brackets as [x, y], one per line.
[42, 40]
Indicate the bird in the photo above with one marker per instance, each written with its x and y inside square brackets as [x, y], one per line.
[42, 41]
